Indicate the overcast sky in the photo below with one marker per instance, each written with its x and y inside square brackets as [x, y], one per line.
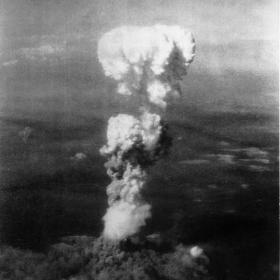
[211, 21]
[232, 37]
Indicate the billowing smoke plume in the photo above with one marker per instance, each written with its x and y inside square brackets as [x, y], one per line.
[132, 145]
[148, 62]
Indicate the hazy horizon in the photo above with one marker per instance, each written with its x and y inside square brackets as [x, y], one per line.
[48, 52]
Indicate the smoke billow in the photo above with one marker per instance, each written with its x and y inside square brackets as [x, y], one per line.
[132, 145]
[148, 62]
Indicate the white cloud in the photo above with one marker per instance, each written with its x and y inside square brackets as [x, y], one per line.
[42, 52]
[10, 62]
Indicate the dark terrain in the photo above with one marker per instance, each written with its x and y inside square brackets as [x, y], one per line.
[218, 187]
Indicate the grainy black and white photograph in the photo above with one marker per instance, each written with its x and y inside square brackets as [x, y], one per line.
[139, 140]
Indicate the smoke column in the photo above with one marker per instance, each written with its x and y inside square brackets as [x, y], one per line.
[148, 62]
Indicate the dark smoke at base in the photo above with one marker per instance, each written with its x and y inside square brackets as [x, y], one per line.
[87, 258]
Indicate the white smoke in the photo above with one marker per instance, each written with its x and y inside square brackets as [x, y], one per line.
[124, 219]
[131, 144]
[148, 61]
[125, 130]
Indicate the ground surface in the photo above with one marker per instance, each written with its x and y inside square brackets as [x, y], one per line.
[217, 188]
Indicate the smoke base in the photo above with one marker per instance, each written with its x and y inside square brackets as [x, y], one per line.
[87, 258]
